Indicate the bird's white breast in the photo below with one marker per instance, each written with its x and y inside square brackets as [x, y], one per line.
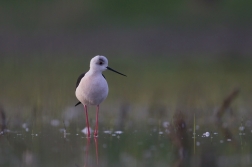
[92, 89]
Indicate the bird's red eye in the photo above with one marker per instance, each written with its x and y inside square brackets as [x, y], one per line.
[101, 63]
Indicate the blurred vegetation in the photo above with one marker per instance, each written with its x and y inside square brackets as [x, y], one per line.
[78, 15]
[174, 82]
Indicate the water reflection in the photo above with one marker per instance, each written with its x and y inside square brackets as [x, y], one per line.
[87, 158]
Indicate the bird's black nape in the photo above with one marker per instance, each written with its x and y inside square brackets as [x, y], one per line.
[77, 104]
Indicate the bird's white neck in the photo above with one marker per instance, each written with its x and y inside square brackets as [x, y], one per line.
[94, 72]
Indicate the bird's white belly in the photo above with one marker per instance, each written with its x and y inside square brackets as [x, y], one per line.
[92, 92]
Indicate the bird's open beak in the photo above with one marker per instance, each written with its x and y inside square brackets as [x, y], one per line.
[115, 71]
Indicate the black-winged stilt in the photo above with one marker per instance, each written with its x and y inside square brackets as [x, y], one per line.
[92, 87]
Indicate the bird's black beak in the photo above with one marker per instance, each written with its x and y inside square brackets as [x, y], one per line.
[115, 71]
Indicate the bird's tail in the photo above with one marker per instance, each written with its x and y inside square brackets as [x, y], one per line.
[77, 103]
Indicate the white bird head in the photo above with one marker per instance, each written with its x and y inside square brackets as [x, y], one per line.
[100, 63]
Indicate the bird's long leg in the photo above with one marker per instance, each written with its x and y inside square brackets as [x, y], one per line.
[96, 124]
[87, 123]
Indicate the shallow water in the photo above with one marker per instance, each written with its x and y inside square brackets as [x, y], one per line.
[55, 145]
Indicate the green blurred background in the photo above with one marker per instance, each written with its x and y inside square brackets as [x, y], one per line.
[182, 56]
[167, 47]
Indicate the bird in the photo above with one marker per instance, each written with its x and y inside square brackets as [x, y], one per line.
[92, 87]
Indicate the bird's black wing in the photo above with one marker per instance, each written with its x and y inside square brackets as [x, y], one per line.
[77, 84]
[79, 79]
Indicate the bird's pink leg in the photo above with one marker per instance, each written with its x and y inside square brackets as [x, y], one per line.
[96, 125]
[87, 123]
